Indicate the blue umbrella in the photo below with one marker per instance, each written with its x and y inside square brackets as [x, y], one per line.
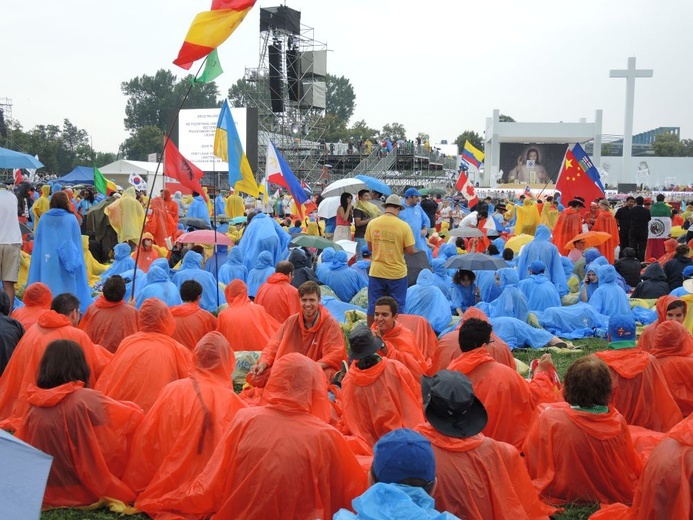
[12, 159]
[375, 184]
[238, 220]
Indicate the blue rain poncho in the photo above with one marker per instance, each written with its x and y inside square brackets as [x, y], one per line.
[574, 322]
[159, 286]
[191, 269]
[303, 268]
[426, 300]
[511, 301]
[609, 299]
[417, 220]
[519, 334]
[198, 209]
[387, 501]
[218, 258]
[57, 258]
[337, 308]
[362, 267]
[234, 268]
[445, 252]
[324, 261]
[264, 234]
[441, 277]
[620, 281]
[122, 261]
[140, 280]
[220, 205]
[572, 278]
[343, 281]
[541, 294]
[486, 282]
[542, 249]
[462, 297]
[258, 275]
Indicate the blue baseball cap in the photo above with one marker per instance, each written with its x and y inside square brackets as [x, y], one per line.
[403, 454]
[622, 328]
[537, 267]
[687, 271]
[365, 252]
[411, 192]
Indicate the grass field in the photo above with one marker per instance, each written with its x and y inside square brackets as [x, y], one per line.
[561, 360]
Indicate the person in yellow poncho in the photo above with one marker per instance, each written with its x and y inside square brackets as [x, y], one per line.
[41, 205]
[126, 216]
[234, 206]
[550, 213]
[527, 217]
[94, 268]
[312, 228]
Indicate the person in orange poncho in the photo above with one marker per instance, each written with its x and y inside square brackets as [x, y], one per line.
[672, 351]
[313, 332]
[606, 223]
[449, 346]
[637, 381]
[192, 321]
[426, 338]
[668, 308]
[171, 206]
[669, 251]
[37, 300]
[378, 394]
[282, 460]
[246, 325]
[400, 342]
[581, 451]
[109, 319]
[147, 361]
[159, 223]
[277, 295]
[568, 225]
[60, 322]
[148, 252]
[179, 433]
[508, 399]
[87, 434]
[477, 478]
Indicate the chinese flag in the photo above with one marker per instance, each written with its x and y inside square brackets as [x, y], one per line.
[179, 168]
[467, 189]
[573, 181]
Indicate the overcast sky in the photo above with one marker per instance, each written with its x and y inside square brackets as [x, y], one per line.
[439, 67]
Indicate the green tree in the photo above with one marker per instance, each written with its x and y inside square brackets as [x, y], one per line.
[340, 98]
[103, 158]
[246, 93]
[472, 137]
[667, 145]
[146, 140]
[505, 119]
[360, 131]
[687, 147]
[423, 136]
[395, 131]
[607, 149]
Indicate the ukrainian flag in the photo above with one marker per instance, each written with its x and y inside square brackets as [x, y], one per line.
[472, 155]
[228, 147]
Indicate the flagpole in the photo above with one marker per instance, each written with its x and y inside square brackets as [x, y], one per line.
[214, 217]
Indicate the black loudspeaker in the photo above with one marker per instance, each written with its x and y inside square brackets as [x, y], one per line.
[293, 63]
[280, 17]
[275, 78]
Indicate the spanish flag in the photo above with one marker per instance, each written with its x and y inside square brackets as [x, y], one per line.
[210, 29]
[228, 147]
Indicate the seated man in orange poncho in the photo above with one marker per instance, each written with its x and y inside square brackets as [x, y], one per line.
[87, 434]
[400, 342]
[426, 338]
[277, 295]
[192, 321]
[179, 433]
[509, 399]
[147, 361]
[37, 300]
[282, 460]
[313, 332]
[581, 450]
[478, 478]
[672, 351]
[246, 325]
[109, 319]
[378, 394]
[637, 381]
[60, 322]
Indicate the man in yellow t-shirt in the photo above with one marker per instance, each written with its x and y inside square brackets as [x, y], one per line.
[388, 238]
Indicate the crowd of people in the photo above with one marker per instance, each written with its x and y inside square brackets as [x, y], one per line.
[265, 380]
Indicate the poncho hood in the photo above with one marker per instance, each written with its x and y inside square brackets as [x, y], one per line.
[339, 261]
[236, 293]
[37, 295]
[155, 316]
[214, 355]
[543, 233]
[235, 256]
[654, 272]
[47, 397]
[508, 277]
[121, 251]
[264, 261]
[192, 260]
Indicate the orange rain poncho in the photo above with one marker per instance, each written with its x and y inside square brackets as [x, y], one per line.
[401, 345]
[672, 352]
[179, 433]
[670, 251]
[647, 338]
[126, 216]
[192, 323]
[479, 478]
[568, 225]
[22, 369]
[246, 325]
[37, 299]
[380, 399]
[426, 338]
[147, 361]
[278, 297]
[88, 435]
[146, 257]
[171, 206]
[606, 223]
[281, 460]
[108, 323]
[159, 223]
[579, 456]
[637, 384]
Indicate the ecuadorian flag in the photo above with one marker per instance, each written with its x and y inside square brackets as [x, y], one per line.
[228, 147]
[472, 155]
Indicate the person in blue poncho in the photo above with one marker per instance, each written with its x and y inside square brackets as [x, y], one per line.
[263, 234]
[540, 292]
[122, 261]
[219, 205]
[303, 268]
[159, 286]
[57, 259]
[191, 269]
[570, 276]
[542, 249]
[441, 277]
[511, 301]
[324, 261]
[463, 292]
[589, 256]
[217, 259]
[575, 321]
[609, 299]
[264, 268]
[343, 281]
[417, 219]
[488, 288]
[198, 208]
[362, 266]
[128, 276]
[620, 281]
[425, 299]
[234, 268]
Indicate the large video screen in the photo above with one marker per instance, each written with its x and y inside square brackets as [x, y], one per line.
[531, 163]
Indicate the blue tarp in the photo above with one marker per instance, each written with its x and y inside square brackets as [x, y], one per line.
[80, 175]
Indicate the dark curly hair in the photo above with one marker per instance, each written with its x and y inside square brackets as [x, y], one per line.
[587, 383]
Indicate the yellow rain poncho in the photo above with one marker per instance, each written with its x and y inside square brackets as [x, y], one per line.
[527, 217]
[234, 206]
[41, 205]
[549, 216]
[126, 216]
[94, 268]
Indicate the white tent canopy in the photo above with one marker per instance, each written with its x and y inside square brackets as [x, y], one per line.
[120, 171]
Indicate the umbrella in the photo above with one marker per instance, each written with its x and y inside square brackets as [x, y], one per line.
[12, 159]
[351, 185]
[466, 232]
[349, 246]
[515, 243]
[238, 220]
[328, 207]
[437, 191]
[204, 236]
[591, 238]
[375, 184]
[314, 242]
[475, 262]
[415, 264]
[192, 222]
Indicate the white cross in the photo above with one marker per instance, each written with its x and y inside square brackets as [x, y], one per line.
[630, 74]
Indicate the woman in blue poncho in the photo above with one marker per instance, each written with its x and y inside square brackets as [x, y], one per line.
[441, 277]
[324, 262]
[234, 268]
[123, 261]
[343, 281]
[541, 294]
[543, 250]
[426, 300]
[463, 292]
[264, 268]
[263, 234]
[198, 208]
[158, 286]
[609, 299]
[57, 259]
[511, 301]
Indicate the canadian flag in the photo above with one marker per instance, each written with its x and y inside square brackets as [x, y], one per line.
[463, 185]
